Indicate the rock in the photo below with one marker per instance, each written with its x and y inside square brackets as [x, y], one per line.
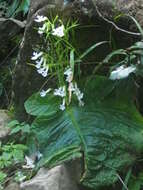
[7, 36]
[12, 186]
[4, 120]
[57, 178]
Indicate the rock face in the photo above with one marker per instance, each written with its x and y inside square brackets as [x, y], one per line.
[4, 119]
[27, 80]
[6, 36]
[57, 178]
[12, 186]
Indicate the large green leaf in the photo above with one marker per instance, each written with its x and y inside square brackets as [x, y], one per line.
[106, 132]
[42, 106]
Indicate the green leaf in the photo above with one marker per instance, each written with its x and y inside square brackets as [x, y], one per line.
[15, 130]
[138, 25]
[24, 6]
[18, 155]
[116, 52]
[12, 8]
[135, 185]
[26, 128]
[127, 178]
[90, 50]
[2, 176]
[13, 123]
[42, 106]
[6, 156]
[72, 60]
[104, 132]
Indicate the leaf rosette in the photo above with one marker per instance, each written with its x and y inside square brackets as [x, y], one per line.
[106, 133]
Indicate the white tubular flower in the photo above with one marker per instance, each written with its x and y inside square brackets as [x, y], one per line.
[40, 70]
[122, 72]
[45, 72]
[60, 91]
[29, 163]
[39, 63]
[77, 92]
[59, 31]
[40, 18]
[43, 92]
[69, 74]
[62, 106]
[36, 55]
[81, 103]
[41, 30]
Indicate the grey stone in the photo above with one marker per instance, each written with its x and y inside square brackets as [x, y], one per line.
[57, 178]
[12, 186]
[4, 120]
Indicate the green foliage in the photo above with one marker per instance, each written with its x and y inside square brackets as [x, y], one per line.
[18, 6]
[11, 154]
[42, 105]
[103, 132]
[17, 127]
[12, 8]
[2, 179]
[134, 182]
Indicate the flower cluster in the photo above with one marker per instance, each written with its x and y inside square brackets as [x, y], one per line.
[57, 31]
[42, 61]
[122, 72]
[62, 91]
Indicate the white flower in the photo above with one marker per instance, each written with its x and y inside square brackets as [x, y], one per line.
[59, 31]
[45, 72]
[69, 73]
[62, 106]
[42, 29]
[81, 103]
[29, 163]
[77, 92]
[60, 92]
[39, 63]
[43, 93]
[36, 55]
[122, 72]
[40, 70]
[40, 18]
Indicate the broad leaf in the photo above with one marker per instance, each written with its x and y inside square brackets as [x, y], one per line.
[106, 133]
[42, 106]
